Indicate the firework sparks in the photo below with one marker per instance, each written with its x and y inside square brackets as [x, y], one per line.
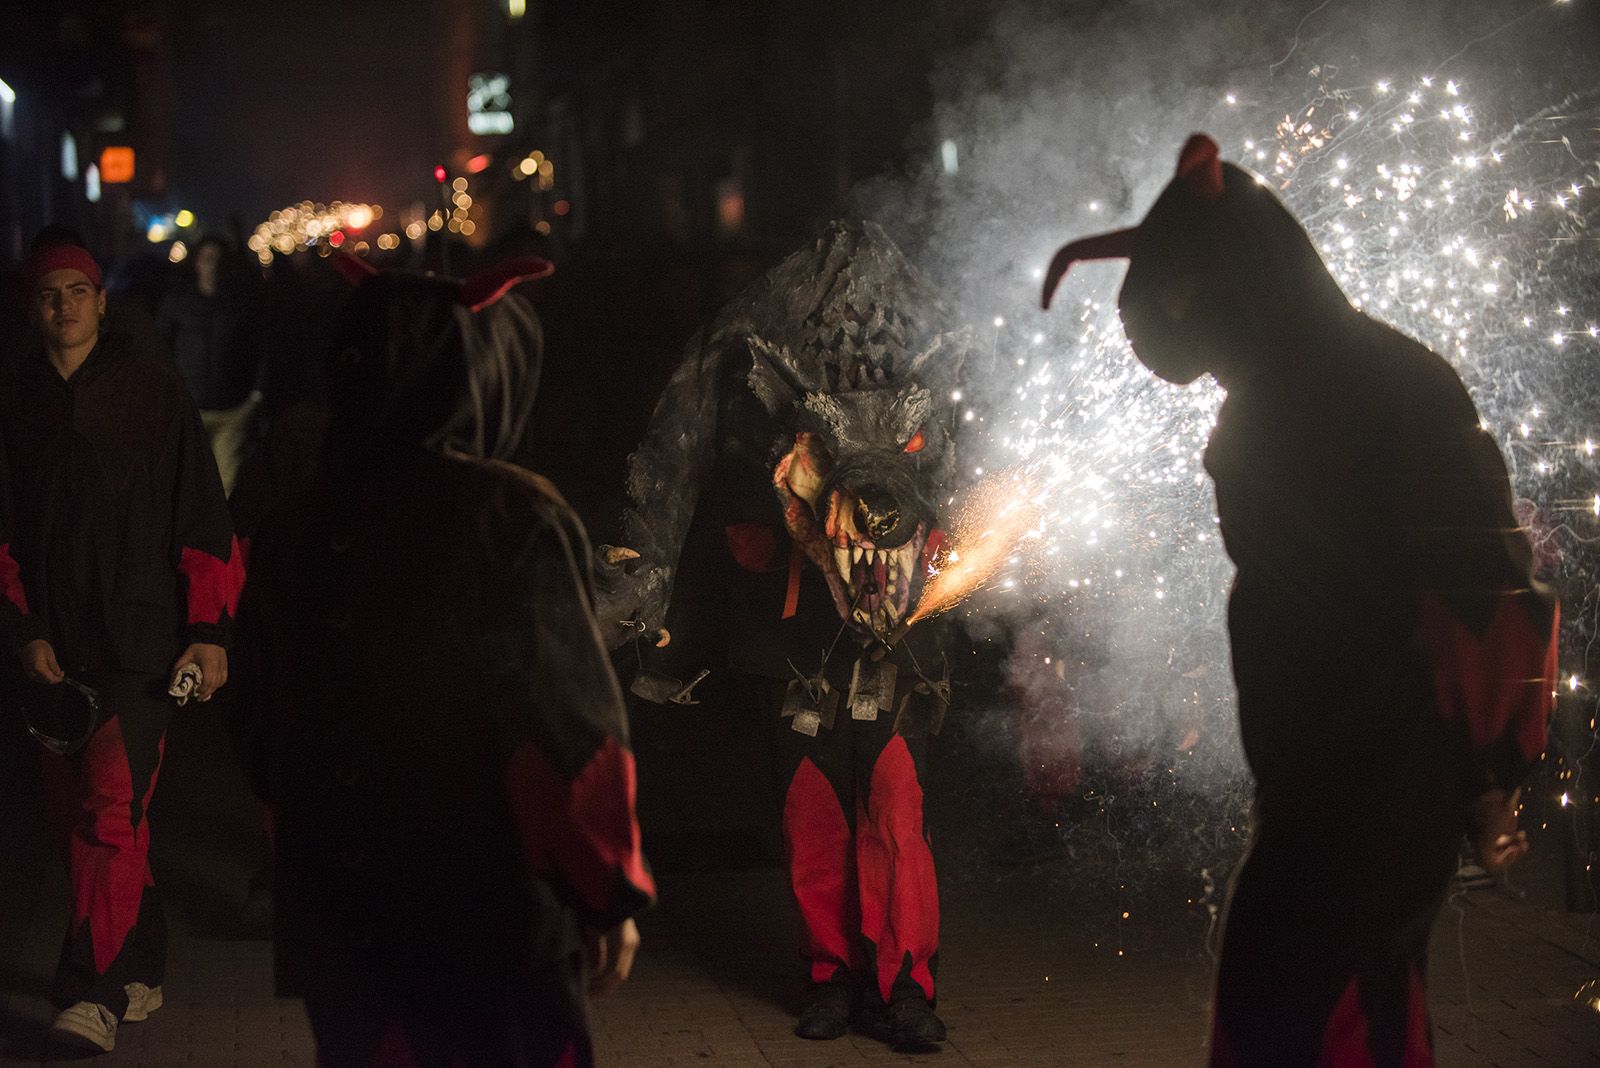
[1461, 226]
[999, 515]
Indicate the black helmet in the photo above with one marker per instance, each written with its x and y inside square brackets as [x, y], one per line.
[63, 717]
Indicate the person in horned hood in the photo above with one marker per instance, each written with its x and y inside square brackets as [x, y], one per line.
[1393, 654]
[449, 767]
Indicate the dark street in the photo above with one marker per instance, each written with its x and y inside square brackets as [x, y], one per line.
[1032, 974]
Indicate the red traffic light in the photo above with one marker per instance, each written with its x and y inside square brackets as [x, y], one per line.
[439, 175]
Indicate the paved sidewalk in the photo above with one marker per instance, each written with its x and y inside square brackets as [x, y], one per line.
[1039, 965]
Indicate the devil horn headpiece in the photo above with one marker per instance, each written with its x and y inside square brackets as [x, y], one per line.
[486, 287]
[1199, 169]
[355, 269]
[477, 292]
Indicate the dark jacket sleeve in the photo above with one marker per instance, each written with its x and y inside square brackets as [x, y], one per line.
[1488, 628]
[570, 781]
[206, 552]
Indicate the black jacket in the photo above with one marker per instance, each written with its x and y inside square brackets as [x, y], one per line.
[447, 750]
[215, 344]
[118, 528]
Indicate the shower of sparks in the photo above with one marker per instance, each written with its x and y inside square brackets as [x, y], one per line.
[999, 515]
[1464, 228]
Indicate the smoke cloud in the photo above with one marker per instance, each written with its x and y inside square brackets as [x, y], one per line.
[1053, 121]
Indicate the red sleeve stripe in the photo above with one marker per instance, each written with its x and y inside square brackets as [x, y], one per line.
[214, 585]
[11, 580]
[581, 829]
[1500, 683]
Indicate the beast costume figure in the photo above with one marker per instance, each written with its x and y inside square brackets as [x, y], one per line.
[812, 423]
[449, 766]
[1394, 657]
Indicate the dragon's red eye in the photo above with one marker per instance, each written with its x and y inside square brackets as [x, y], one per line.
[916, 443]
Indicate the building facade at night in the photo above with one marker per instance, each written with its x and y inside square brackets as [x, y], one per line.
[84, 117]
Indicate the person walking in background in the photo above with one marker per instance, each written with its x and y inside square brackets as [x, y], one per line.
[212, 328]
[448, 762]
[119, 571]
[1394, 656]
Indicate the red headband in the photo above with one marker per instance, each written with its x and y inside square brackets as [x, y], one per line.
[60, 258]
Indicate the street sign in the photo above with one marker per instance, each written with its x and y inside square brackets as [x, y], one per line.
[489, 103]
[116, 165]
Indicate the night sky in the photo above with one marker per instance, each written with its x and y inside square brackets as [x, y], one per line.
[299, 99]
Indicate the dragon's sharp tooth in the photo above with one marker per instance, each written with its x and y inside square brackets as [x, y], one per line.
[841, 560]
[857, 553]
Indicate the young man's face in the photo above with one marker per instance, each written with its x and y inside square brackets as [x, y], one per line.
[68, 307]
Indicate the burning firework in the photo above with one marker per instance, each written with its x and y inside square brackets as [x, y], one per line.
[1000, 514]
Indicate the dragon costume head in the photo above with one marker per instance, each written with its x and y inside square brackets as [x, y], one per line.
[859, 395]
[827, 382]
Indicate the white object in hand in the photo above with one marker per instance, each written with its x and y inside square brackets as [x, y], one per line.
[185, 682]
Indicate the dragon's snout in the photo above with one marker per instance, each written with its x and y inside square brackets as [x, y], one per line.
[863, 523]
[877, 514]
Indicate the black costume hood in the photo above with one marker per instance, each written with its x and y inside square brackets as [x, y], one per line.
[1221, 277]
[449, 366]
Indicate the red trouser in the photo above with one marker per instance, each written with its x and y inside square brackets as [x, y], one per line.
[859, 861]
[1325, 946]
[101, 796]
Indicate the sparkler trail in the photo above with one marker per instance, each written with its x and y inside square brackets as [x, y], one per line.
[998, 517]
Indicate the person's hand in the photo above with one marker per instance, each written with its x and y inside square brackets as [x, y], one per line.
[614, 568]
[611, 957]
[39, 662]
[212, 660]
[1495, 839]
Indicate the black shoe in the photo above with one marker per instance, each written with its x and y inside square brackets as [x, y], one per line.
[828, 1015]
[913, 1026]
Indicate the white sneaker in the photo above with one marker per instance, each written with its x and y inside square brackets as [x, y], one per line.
[86, 1026]
[142, 1001]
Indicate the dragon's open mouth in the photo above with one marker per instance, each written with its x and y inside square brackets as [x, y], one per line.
[872, 587]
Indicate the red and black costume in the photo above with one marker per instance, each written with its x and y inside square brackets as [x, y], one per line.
[1394, 656]
[812, 425]
[121, 554]
[859, 860]
[448, 765]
